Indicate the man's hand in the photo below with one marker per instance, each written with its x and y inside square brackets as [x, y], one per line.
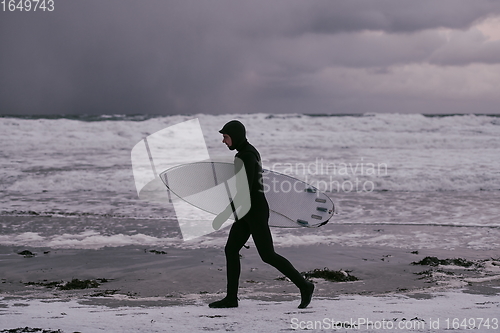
[220, 219]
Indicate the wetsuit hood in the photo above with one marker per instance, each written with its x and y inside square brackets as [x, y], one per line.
[236, 130]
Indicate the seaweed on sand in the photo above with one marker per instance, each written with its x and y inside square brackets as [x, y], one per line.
[27, 254]
[29, 330]
[71, 285]
[79, 284]
[434, 261]
[327, 274]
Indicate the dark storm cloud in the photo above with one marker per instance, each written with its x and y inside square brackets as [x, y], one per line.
[395, 16]
[112, 57]
[167, 57]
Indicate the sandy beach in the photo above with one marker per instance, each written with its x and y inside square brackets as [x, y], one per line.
[167, 289]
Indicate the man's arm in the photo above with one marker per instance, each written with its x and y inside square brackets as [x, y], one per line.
[245, 166]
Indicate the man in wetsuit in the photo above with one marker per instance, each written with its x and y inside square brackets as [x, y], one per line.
[254, 223]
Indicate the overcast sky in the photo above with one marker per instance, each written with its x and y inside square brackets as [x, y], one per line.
[266, 56]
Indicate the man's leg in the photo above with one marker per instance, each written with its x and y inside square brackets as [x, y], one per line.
[264, 243]
[238, 236]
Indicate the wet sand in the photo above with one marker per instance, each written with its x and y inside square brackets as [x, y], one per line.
[173, 272]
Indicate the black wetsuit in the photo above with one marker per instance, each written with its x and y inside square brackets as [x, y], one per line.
[254, 223]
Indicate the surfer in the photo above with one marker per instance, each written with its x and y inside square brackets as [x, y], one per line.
[254, 223]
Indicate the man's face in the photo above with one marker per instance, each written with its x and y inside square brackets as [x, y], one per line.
[227, 140]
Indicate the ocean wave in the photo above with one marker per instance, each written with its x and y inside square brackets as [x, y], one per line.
[84, 240]
[143, 117]
[412, 237]
[82, 163]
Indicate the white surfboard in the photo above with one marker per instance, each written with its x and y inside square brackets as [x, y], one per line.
[210, 185]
